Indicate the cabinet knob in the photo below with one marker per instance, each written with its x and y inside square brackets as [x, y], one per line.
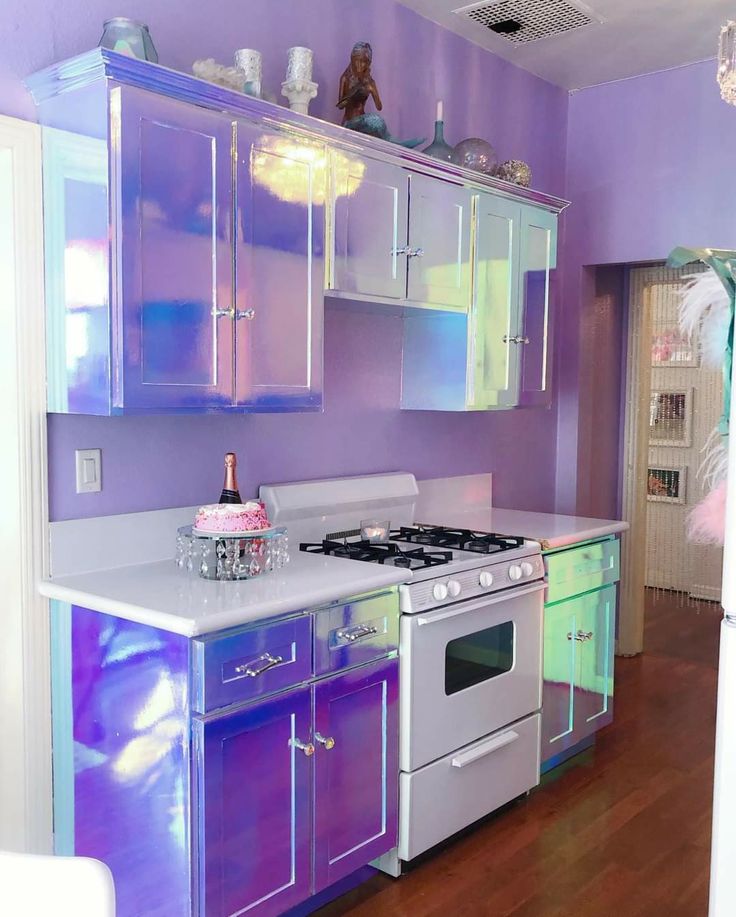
[248, 314]
[306, 747]
[223, 313]
[404, 250]
[416, 253]
[515, 339]
[581, 636]
[327, 741]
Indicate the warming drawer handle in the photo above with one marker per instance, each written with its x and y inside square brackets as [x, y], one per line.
[464, 608]
[482, 751]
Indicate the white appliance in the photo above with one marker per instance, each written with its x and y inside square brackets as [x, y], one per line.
[471, 648]
[723, 845]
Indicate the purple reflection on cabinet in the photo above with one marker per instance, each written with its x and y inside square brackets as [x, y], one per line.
[130, 780]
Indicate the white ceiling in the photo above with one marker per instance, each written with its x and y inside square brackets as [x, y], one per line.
[636, 36]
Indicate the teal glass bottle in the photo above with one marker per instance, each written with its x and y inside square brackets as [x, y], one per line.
[438, 148]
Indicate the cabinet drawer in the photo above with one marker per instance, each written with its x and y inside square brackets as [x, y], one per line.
[581, 569]
[251, 663]
[356, 632]
[453, 792]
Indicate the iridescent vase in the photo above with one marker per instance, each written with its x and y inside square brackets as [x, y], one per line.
[439, 148]
[126, 36]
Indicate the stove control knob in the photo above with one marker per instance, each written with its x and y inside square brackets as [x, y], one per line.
[527, 569]
[514, 572]
[439, 591]
[454, 588]
[486, 579]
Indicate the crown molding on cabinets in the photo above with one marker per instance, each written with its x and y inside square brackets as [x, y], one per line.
[102, 63]
[25, 701]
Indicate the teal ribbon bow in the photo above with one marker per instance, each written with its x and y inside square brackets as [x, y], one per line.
[723, 263]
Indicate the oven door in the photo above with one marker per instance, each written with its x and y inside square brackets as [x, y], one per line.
[467, 670]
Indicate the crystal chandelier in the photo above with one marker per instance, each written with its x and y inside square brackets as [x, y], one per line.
[727, 62]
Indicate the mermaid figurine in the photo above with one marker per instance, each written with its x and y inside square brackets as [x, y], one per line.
[357, 85]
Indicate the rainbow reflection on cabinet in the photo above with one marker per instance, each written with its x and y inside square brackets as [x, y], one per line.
[241, 771]
[579, 642]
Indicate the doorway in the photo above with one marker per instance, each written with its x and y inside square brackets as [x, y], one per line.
[673, 403]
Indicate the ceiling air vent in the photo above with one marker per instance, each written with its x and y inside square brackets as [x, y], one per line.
[529, 20]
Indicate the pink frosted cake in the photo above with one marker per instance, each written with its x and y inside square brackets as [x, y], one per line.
[232, 517]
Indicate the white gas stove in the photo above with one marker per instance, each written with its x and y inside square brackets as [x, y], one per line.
[471, 646]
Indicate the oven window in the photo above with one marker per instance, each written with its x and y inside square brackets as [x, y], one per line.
[479, 657]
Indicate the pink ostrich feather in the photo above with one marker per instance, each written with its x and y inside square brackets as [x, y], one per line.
[706, 524]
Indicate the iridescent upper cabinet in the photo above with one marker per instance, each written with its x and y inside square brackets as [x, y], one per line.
[499, 354]
[184, 255]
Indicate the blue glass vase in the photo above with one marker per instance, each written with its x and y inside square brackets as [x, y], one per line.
[438, 148]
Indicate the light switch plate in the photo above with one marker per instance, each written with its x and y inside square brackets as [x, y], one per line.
[89, 470]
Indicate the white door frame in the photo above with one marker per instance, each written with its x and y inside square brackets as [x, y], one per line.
[26, 822]
[636, 455]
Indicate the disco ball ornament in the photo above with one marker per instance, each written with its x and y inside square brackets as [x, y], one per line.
[516, 171]
[476, 154]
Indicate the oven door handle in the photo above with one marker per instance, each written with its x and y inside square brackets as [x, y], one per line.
[487, 748]
[466, 609]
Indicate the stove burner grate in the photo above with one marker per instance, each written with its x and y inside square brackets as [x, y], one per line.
[461, 539]
[389, 553]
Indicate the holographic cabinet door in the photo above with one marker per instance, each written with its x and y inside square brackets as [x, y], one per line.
[439, 243]
[561, 623]
[280, 233]
[594, 696]
[253, 782]
[492, 353]
[579, 638]
[538, 260]
[356, 769]
[371, 202]
[172, 318]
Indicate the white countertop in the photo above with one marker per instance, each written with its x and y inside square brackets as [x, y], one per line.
[551, 530]
[466, 502]
[161, 595]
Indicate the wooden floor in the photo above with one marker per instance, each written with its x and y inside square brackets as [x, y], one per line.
[624, 833]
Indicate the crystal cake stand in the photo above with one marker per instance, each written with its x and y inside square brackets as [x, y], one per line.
[223, 557]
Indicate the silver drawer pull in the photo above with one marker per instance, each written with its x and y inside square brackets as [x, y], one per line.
[581, 636]
[306, 747]
[482, 751]
[515, 339]
[258, 666]
[416, 253]
[351, 634]
[223, 313]
[404, 250]
[327, 741]
[248, 314]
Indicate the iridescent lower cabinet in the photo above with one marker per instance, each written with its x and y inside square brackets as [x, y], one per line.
[242, 771]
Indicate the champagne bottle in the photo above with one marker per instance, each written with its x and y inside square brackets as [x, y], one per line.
[230, 492]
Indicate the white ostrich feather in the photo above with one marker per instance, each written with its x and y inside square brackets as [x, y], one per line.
[705, 307]
[714, 467]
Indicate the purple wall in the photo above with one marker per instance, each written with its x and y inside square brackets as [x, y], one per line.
[649, 166]
[151, 463]
[154, 462]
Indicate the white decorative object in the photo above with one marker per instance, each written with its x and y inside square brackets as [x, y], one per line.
[299, 65]
[250, 64]
[208, 69]
[727, 62]
[299, 93]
